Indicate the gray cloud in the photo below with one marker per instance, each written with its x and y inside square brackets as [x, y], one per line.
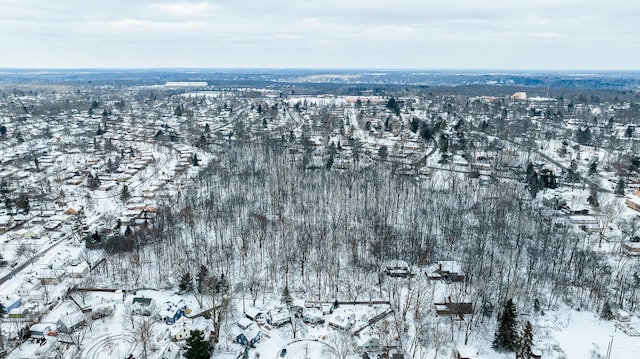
[492, 34]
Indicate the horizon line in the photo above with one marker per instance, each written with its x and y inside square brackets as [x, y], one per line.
[362, 69]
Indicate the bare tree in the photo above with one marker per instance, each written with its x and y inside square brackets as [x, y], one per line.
[342, 344]
[143, 333]
[78, 335]
[26, 250]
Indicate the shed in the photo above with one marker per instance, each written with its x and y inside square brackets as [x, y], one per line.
[41, 330]
[467, 353]
[623, 316]
[253, 313]
[244, 323]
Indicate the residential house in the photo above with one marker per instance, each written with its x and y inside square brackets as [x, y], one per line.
[172, 313]
[79, 270]
[397, 268]
[50, 276]
[27, 287]
[170, 351]
[181, 332]
[69, 323]
[313, 316]
[250, 336]
[33, 233]
[254, 314]
[449, 271]
[368, 343]
[450, 308]
[279, 317]
[10, 301]
[142, 306]
[342, 322]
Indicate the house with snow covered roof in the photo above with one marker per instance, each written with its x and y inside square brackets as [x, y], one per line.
[368, 343]
[142, 305]
[279, 317]
[343, 321]
[170, 351]
[27, 287]
[10, 301]
[79, 270]
[71, 322]
[397, 268]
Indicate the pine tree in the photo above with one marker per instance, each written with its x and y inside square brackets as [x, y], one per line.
[197, 347]
[607, 313]
[201, 279]
[572, 172]
[194, 160]
[620, 187]
[506, 337]
[593, 168]
[186, 282]
[125, 195]
[286, 297]
[526, 343]
[593, 197]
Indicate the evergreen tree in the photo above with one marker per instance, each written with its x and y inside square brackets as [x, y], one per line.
[197, 346]
[222, 286]
[186, 283]
[415, 125]
[629, 131]
[383, 152]
[128, 232]
[80, 220]
[607, 313]
[194, 160]
[125, 195]
[593, 197]
[572, 172]
[93, 182]
[506, 337]
[620, 187]
[593, 168]
[201, 279]
[526, 343]
[22, 203]
[286, 297]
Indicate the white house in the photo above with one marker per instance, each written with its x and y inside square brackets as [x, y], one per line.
[79, 271]
[181, 332]
[27, 287]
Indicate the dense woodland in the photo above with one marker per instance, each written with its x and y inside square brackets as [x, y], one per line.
[257, 218]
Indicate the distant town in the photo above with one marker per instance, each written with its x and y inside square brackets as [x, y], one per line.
[319, 215]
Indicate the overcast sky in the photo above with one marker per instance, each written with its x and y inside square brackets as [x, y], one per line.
[417, 34]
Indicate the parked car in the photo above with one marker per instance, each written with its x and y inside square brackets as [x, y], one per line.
[283, 352]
